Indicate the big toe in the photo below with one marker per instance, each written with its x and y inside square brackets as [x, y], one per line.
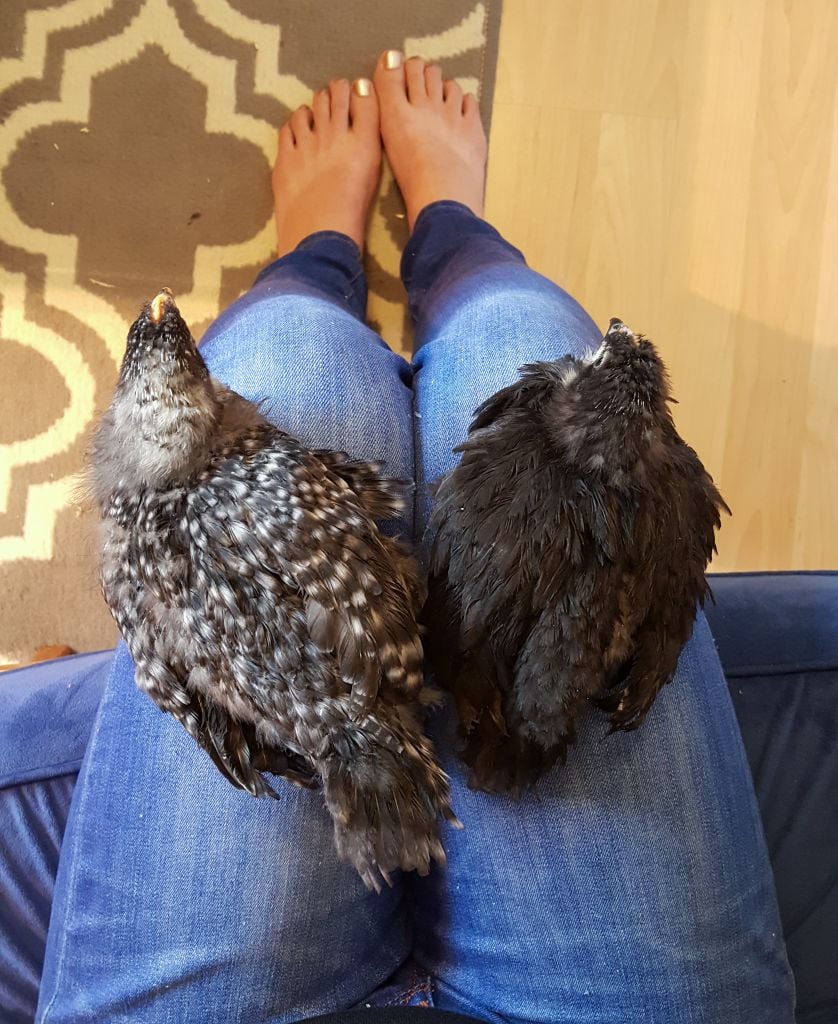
[363, 108]
[389, 78]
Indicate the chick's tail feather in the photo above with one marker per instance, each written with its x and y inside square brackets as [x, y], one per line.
[383, 497]
[386, 804]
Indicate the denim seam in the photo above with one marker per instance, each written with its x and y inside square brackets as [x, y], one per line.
[356, 253]
[359, 276]
[414, 436]
[422, 985]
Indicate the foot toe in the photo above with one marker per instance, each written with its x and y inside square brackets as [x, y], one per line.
[389, 78]
[471, 106]
[363, 107]
[286, 138]
[301, 123]
[433, 82]
[414, 73]
[321, 106]
[339, 98]
[453, 95]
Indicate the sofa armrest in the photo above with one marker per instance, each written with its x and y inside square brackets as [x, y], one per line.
[777, 635]
[770, 623]
[46, 713]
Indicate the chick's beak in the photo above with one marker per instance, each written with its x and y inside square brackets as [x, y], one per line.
[162, 301]
[619, 333]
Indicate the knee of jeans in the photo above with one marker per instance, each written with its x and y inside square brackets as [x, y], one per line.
[255, 346]
[320, 374]
[483, 342]
[512, 313]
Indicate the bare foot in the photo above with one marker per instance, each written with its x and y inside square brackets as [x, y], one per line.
[327, 165]
[433, 135]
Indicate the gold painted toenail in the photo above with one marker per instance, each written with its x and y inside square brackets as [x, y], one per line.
[362, 86]
[393, 59]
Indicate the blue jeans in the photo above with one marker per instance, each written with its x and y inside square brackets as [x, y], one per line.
[632, 885]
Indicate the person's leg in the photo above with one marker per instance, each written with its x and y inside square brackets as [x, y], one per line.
[632, 884]
[179, 897]
[480, 314]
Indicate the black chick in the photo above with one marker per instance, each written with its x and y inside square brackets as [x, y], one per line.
[261, 604]
[568, 551]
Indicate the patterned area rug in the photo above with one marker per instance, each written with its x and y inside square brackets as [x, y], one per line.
[136, 139]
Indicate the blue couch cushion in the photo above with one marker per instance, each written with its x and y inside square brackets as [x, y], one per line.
[47, 713]
[62, 697]
[777, 636]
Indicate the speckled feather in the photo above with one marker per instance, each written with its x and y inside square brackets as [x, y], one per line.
[568, 552]
[262, 606]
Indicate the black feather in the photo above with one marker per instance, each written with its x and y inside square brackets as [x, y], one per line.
[567, 557]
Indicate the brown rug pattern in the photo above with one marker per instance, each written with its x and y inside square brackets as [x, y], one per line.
[136, 140]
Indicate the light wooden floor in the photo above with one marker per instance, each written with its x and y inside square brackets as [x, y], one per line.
[675, 163]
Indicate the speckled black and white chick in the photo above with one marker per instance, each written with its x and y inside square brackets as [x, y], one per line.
[567, 559]
[262, 606]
